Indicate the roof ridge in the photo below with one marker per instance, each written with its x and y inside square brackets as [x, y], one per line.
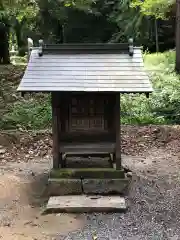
[78, 48]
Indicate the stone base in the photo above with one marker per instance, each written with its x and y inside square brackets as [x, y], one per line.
[104, 186]
[85, 204]
[58, 187]
[87, 173]
[87, 181]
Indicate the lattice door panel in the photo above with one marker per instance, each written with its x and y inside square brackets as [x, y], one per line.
[86, 114]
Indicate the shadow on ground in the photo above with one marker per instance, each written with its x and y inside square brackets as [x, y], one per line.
[37, 190]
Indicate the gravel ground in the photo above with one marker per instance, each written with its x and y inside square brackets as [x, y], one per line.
[153, 214]
[153, 197]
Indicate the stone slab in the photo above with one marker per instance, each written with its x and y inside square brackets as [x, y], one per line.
[87, 173]
[58, 187]
[104, 186]
[85, 204]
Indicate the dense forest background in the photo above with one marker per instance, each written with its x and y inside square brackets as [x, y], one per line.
[150, 23]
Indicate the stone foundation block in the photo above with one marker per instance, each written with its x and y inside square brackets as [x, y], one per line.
[58, 187]
[104, 186]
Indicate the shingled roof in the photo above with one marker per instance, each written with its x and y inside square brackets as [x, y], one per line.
[98, 68]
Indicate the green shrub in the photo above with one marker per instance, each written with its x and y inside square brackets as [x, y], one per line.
[31, 113]
[163, 105]
[19, 60]
[137, 109]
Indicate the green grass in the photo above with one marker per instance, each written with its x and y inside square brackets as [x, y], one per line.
[34, 111]
[30, 113]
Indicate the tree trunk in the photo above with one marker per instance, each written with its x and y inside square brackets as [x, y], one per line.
[156, 35]
[59, 32]
[177, 66]
[6, 57]
[4, 44]
[17, 29]
[20, 42]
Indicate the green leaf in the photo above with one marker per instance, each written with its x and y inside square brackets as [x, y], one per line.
[67, 4]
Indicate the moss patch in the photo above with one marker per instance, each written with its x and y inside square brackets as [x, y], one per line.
[86, 173]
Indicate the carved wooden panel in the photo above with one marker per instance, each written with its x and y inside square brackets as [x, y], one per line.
[79, 124]
[86, 113]
[85, 124]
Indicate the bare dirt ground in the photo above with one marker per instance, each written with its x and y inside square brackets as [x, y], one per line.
[22, 198]
[153, 155]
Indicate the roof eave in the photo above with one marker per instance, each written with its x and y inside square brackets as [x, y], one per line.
[49, 91]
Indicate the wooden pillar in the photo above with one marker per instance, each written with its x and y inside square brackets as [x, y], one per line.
[118, 132]
[177, 66]
[55, 131]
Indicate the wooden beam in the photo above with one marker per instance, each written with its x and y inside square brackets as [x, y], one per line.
[177, 66]
[55, 131]
[118, 132]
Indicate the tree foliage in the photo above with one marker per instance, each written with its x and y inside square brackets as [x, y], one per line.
[157, 8]
[60, 21]
[131, 23]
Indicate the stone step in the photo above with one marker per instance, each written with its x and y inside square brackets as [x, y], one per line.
[57, 187]
[85, 204]
[86, 173]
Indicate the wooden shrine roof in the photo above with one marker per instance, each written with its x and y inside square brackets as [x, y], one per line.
[89, 68]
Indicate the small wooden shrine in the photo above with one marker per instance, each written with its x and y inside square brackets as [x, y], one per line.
[86, 81]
